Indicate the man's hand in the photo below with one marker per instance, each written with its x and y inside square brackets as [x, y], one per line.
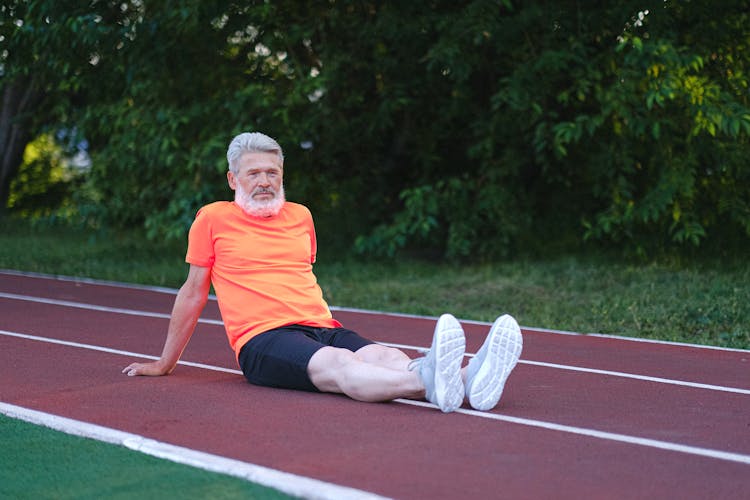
[153, 369]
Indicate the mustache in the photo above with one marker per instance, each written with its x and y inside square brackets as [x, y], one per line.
[264, 191]
[258, 208]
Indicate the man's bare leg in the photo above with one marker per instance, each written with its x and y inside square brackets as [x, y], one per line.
[390, 357]
[379, 373]
[338, 370]
[387, 357]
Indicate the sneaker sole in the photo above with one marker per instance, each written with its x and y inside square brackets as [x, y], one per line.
[449, 344]
[504, 350]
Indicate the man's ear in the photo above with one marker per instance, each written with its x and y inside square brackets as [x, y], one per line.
[231, 180]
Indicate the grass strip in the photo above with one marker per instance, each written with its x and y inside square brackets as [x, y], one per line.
[38, 462]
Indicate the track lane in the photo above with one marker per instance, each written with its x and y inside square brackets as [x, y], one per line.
[468, 455]
[605, 403]
[681, 362]
[345, 442]
[618, 437]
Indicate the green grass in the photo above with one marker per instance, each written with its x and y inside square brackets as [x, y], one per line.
[42, 463]
[705, 302]
[587, 295]
[111, 256]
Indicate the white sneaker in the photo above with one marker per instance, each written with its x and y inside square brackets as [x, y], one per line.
[440, 368]
[489, 369]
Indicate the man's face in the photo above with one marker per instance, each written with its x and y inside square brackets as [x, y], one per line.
[258, 184]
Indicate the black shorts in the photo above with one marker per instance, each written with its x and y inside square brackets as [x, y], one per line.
[279, 357]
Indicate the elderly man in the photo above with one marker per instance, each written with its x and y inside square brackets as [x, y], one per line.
[258, 252]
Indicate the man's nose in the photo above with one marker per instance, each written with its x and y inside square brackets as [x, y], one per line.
[264, 179]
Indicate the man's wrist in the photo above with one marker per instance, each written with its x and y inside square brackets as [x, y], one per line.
[164, 366]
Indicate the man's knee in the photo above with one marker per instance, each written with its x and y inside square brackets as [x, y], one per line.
[383, 356]
[327, 365]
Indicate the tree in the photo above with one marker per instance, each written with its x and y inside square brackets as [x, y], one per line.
[671, 120]
[463, 129]
[632, 122]
[51, 61]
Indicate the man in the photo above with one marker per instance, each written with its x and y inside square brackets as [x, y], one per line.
[258, 252]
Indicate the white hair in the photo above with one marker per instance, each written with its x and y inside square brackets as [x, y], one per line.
[251, 142]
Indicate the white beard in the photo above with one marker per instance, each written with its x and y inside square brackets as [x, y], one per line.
[254, 208]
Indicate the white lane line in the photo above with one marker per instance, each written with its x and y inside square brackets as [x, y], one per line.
[582, 431]
[173, 291]
[610, 436]
[89, 281]
[645, 378]
[609, 373]
[109, 350]
[400, 346]
[93, 307]
[546, 330]
[291, 484]
[134, 312]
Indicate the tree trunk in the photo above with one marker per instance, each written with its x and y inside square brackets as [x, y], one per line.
[19, 102]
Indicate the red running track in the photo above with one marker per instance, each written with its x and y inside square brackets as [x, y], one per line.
[582, 416]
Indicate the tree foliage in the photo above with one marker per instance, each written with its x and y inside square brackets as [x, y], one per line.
[50, 67]
[466, 129]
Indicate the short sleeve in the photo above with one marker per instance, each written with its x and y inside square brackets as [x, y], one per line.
[313, 241]
[200, 250]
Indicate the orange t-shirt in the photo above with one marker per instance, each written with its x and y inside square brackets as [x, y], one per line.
[261, 269]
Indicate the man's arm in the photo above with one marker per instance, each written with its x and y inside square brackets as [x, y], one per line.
[187, 309]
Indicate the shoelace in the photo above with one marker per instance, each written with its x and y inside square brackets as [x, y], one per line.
[416, 363]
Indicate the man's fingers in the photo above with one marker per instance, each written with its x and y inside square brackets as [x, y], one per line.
[153, 369]
[130, 371]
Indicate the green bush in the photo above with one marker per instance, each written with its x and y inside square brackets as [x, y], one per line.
[46, 181]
